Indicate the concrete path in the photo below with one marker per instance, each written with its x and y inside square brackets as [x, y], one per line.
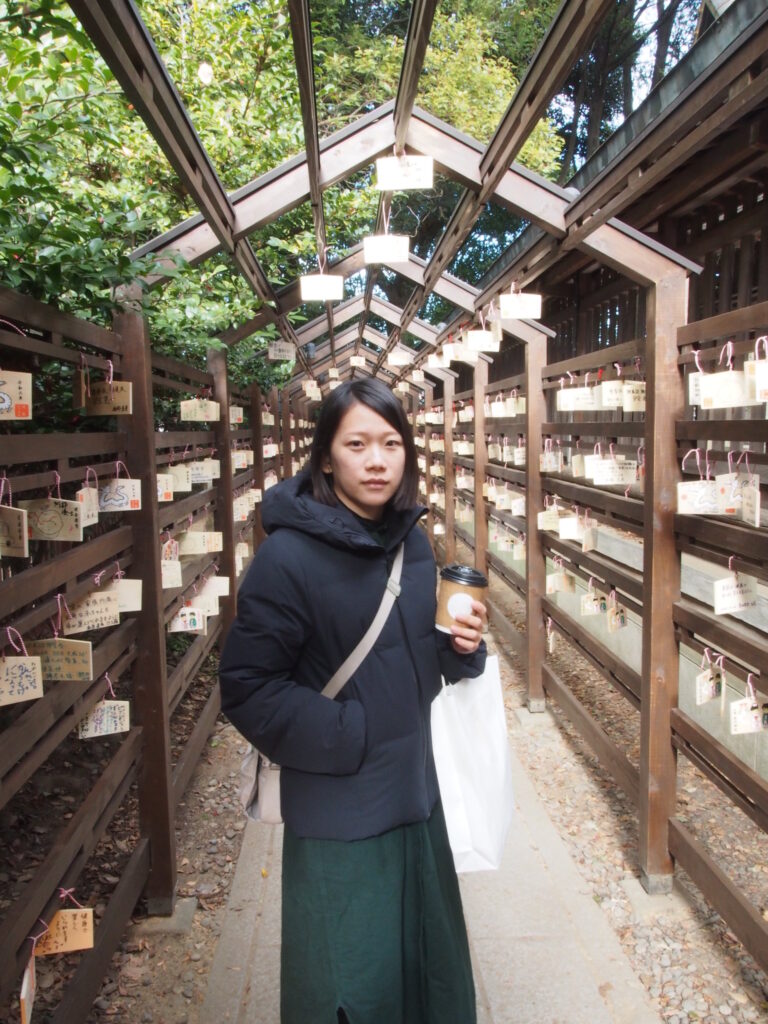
[543, 952]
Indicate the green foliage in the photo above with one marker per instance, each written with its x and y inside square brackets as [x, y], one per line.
[66, 228]
[467, 83]
[248, 115]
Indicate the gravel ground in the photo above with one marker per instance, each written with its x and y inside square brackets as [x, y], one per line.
[692, 965]
[160, 977]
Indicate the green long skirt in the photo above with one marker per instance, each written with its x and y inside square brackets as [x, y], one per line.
[374, 928]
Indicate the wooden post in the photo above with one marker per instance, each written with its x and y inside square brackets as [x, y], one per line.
[450, 481]
[666, 305]
[480, 378]
[217, 366]
[274, 408]
[150, 703]
[257, 442]
[428, 393]
[304, 432]
[535, 564]
[285, 428]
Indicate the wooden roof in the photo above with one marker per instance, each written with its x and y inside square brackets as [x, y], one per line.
[565, 223]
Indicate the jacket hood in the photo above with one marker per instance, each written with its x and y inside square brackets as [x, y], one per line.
[291, 504]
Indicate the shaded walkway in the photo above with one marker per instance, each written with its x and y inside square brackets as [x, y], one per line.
[543, 950]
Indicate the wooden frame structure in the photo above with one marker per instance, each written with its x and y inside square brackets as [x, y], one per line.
[142, 774]
[646, 307]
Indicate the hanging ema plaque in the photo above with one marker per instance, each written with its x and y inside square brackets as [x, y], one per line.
[15, 395]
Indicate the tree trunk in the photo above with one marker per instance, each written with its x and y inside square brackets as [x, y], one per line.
[665, 19]
[626, 88]
[573, 130]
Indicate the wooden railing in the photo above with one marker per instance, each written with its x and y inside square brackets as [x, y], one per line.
[615, 567]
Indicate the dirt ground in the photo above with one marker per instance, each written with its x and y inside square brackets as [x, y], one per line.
[160, 977]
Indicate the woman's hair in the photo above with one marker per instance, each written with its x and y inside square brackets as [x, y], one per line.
[377, 396]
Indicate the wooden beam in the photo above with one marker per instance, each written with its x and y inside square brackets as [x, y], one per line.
[727, 899]
[535, 567]
[707, 95]
[666, 306]
[263, 200]
[394, 315]
[574, 25]
[610, 756]
[217, 365]
[416, 42]
[740, 783]
[257, 443]
[458, 157]
[301, 32]
[450, 479]
[429, 393]
[734, 158]
[285, 433]
[342, 313]
[712, 128]
[480, 382]
[156, 813]
[125, 44]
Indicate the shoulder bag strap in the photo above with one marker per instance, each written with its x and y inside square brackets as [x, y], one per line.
[356, 658]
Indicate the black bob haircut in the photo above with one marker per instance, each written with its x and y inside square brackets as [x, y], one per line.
[377, 396]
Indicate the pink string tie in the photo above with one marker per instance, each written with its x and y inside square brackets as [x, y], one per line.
[68, 894]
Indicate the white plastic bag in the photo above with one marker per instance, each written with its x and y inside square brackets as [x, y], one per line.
[469, 737]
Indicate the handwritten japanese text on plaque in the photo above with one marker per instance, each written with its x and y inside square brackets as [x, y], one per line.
[105, 399]
[14, 533]
[69, 660]
[69, 930]
[20, 679]
[53, 519]
[96, 611]
[106, 718]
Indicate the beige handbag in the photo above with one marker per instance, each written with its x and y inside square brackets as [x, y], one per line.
[259, 777]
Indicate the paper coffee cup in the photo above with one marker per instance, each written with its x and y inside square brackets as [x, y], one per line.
[460, 585]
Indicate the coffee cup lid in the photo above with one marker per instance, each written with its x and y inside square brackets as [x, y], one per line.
[465, 574]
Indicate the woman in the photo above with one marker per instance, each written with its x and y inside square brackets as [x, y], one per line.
[373, 930]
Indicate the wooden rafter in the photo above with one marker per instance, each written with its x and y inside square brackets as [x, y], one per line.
[301, 32]
[574, 25]
[416, 42]
[263, 200]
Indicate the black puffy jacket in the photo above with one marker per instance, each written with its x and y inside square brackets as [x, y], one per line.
[361, 764]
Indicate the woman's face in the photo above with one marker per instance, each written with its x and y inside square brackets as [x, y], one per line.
[367, 460]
